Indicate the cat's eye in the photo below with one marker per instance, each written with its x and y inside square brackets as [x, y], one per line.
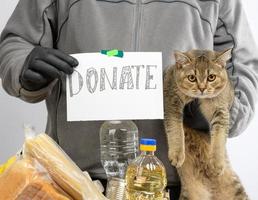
[192, 78]
[211, 77]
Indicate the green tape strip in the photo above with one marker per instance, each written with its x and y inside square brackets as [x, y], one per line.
[113, 52]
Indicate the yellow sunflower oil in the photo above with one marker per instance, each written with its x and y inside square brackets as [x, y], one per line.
[146, 175]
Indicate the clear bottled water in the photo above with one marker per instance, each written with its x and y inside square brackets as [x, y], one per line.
[119, 146]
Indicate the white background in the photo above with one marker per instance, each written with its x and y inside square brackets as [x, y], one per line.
[243, 150]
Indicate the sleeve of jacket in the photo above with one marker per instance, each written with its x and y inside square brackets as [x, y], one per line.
[233, 32]
[31, 24]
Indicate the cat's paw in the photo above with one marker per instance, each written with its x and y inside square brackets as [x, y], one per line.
[216, 167]
[177, 156]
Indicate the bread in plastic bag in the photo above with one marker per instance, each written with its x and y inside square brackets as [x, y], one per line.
[26, 179]
[60, 167]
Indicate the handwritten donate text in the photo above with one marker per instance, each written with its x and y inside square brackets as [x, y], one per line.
[122, 78]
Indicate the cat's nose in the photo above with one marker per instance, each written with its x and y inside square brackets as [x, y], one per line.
[202, 89]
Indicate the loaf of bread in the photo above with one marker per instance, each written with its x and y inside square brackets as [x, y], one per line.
[61, 168]
[40, 190]
[27, 180]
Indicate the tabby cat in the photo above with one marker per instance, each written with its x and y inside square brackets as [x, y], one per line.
[201, 158]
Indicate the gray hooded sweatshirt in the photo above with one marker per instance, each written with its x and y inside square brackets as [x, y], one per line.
[79, 26]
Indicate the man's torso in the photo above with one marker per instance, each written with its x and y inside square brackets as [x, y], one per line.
[130, 25]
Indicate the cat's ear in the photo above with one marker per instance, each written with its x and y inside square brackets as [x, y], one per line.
[181, 59]
[223, 57]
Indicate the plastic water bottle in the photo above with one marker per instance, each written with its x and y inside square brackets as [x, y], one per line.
[146, 175]
[119, 147]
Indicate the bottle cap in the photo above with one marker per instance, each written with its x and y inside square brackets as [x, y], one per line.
[147, 144]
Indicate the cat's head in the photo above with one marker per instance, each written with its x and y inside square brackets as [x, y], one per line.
[201, 73]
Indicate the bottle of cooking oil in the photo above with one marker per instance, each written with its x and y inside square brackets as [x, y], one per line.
[146, 175]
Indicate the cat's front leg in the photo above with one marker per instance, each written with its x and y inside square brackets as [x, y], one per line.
[176, 144]
[219, 133]
[174, 130]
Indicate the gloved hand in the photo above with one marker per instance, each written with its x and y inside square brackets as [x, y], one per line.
[193, 118]
[43, 65]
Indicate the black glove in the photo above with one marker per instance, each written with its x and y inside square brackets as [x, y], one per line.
[43, 65]
[193, 117]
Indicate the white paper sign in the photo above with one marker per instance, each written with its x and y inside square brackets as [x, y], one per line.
[114, 88]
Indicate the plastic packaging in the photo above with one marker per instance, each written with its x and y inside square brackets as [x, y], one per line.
[119, 146]
[27, 179]
[6, 165]
[146, 175]
[60, 167]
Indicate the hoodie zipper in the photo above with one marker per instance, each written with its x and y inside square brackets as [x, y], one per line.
[138, 18]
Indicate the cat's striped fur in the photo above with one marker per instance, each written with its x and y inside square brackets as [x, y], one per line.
[201, 159]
